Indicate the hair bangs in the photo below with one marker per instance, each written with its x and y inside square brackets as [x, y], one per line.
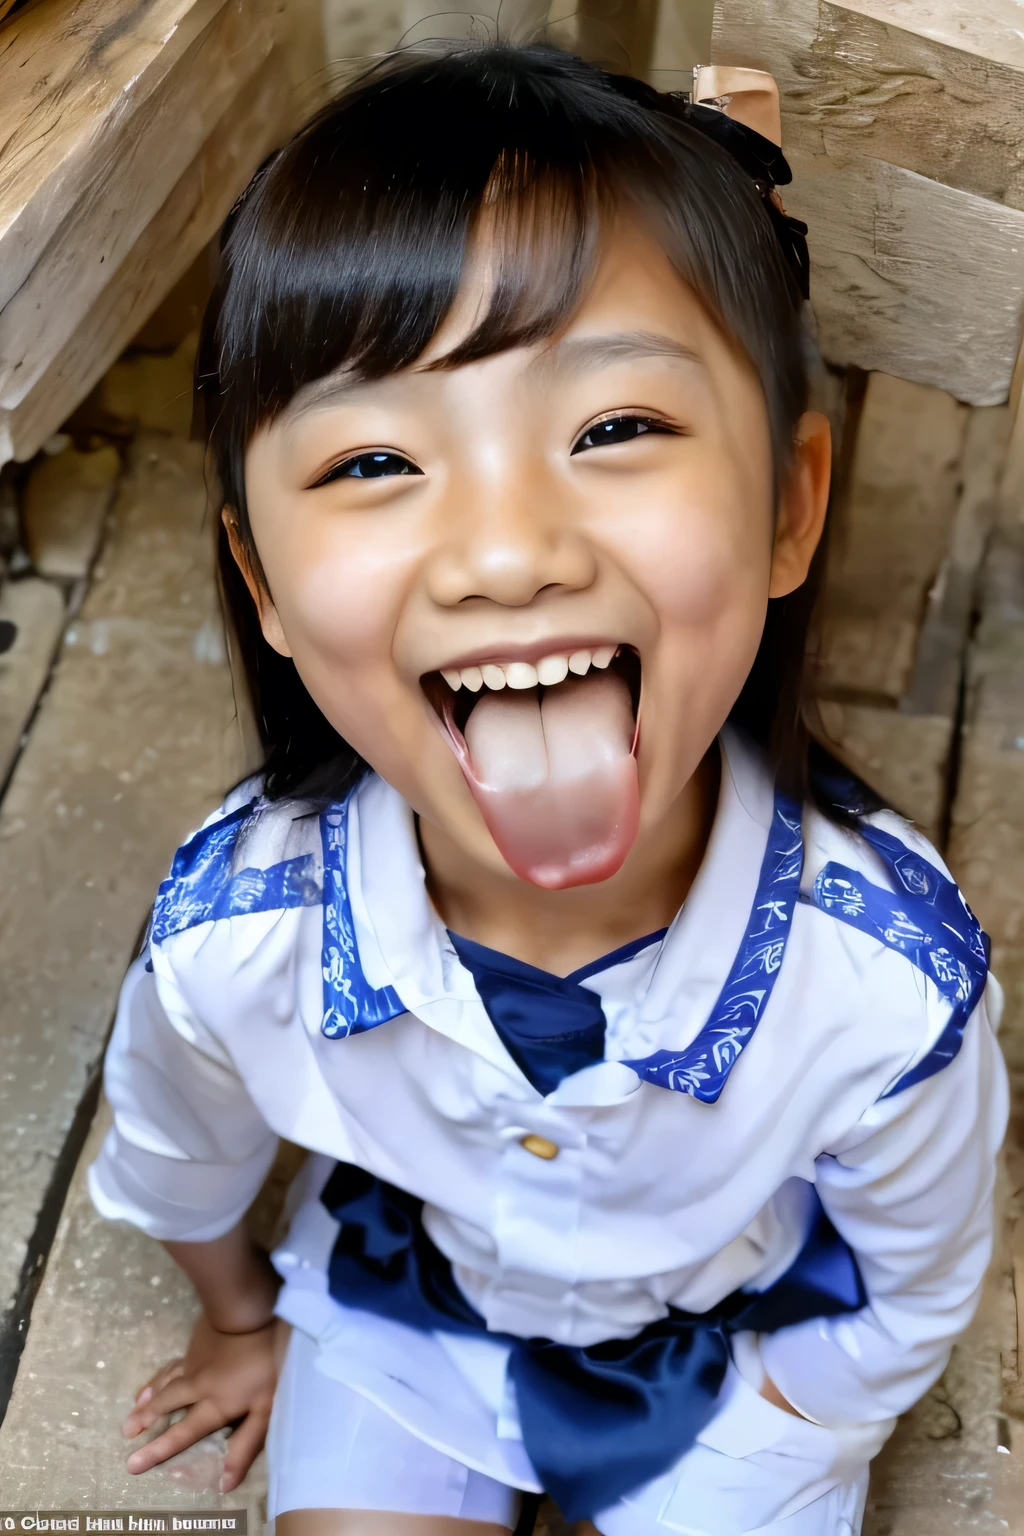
[350, 246]
[539, 233]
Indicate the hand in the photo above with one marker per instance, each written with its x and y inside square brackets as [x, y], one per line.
[223, 1378]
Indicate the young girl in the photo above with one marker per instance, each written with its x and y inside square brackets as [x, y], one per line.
[645, 1063]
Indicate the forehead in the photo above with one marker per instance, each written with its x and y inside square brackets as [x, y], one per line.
[635, 308]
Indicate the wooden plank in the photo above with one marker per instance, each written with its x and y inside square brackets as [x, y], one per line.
[148, 149]
[112, 1308]
[909, 277]
[987, 836]
[36, 608]
[904, 757]
[909, 168]
[890, 538]
[859, 84]
[72, 74]
[134, 743]
[934, 686]
[173, 238]
[64, 507]
[620, 36]
[304, 41]
[991, 30]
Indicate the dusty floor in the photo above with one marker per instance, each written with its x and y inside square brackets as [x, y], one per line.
[117, 734]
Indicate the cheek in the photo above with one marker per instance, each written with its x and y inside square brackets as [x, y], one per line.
[338, 595]
[704, 562]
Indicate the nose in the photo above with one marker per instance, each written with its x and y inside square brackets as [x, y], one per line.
[509, 546]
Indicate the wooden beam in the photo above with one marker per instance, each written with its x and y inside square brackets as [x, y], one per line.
[853, 83]
[991, 30]
[171, 240]
[891, 534]
[910, 277]
[72, 75]
[147, 151]
[909, 168]
[616, 33]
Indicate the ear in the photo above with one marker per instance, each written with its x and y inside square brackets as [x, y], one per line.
[270, 623]
[803, 502]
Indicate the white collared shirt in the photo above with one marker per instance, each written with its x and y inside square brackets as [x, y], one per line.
[654, 1198]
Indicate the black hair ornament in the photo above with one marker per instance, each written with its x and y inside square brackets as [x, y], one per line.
[762, 160]
[768, 168]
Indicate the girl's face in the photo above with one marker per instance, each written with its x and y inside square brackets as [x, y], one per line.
[518, 521]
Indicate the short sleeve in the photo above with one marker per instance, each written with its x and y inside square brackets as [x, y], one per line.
[188, 1149]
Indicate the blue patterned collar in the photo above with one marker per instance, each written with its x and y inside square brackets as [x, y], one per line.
[385, 951]
[671, 1019]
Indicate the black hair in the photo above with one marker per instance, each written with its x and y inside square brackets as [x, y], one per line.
[347, 250]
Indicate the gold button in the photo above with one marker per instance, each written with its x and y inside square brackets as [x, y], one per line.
[540, 1147]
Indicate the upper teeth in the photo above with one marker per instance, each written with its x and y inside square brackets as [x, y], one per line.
[521, 674]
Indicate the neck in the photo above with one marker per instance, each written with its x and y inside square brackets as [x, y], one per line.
[560, 931]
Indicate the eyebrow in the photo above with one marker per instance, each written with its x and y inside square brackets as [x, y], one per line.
[345, 384]
[574, 353]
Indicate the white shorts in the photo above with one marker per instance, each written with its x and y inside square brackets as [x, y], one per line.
[330, 1447]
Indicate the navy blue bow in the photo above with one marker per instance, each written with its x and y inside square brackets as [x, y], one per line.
[598, 1421]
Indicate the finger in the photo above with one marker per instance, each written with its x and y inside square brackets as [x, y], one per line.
[202, 1420]
[159, 1379]
[158, 1382]
[243, 1448]
[182, 1392]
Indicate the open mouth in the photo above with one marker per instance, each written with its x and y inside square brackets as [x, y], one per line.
[547, 743]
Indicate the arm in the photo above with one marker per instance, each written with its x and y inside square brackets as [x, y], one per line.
[188, 1150]
[230, 1369]
[234, 1280]
[186, 1154]
[910, 1189]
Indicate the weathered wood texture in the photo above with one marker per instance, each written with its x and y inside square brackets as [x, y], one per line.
[934, 684]
[64, 506]
[912, 526]
[619, 33]
[908, 166]
[127, 135]
[992, 31]
[36, 608]
[133, 744]
[910, 277]
[890, 536]
[851, 83]
[162, 252]
[987, 834]
[113, 1307]
[73, 76]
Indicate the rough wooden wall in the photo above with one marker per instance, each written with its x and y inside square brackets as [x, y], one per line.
[909, 169]
[127, 133]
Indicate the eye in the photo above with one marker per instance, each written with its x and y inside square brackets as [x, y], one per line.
[367, 466]
[620, 429]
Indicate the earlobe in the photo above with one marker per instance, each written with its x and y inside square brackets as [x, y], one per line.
[270, 622]
[803, 503]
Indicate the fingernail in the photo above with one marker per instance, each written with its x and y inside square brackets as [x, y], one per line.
[224, 1486]
[144, 1396]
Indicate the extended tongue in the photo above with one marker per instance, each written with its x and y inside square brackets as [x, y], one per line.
[556, 780]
